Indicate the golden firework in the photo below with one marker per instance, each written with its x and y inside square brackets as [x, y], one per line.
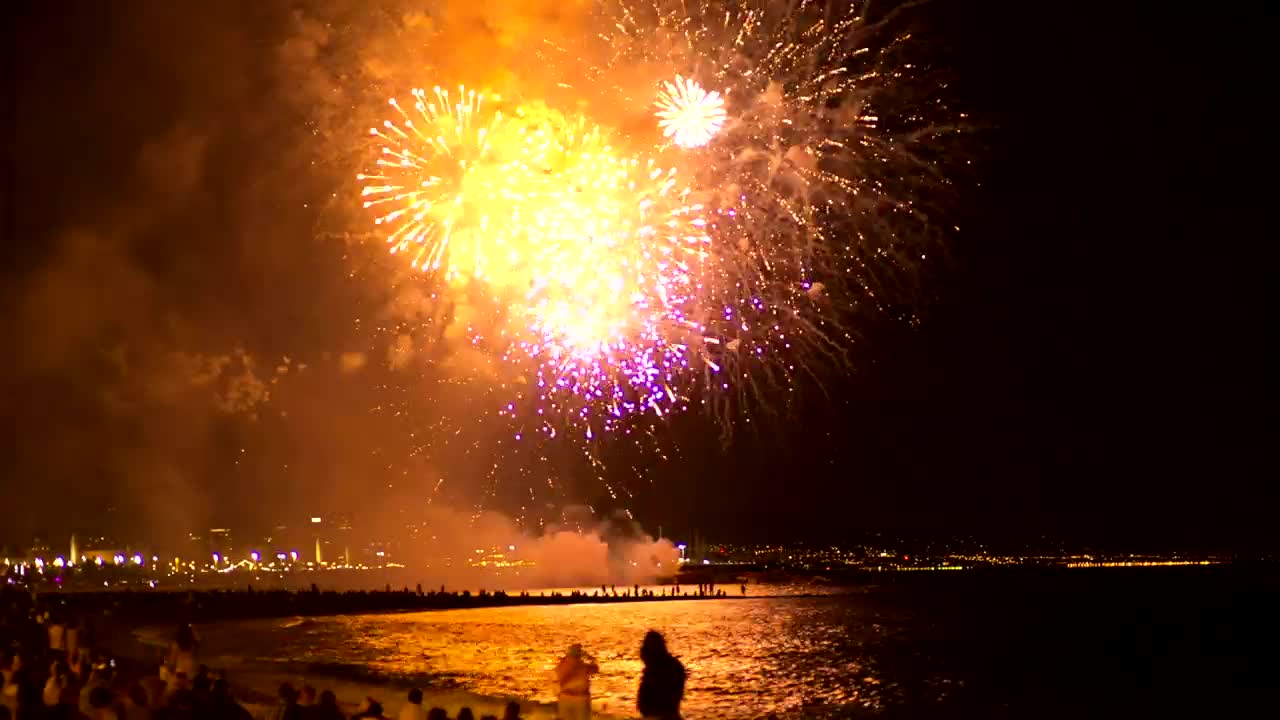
[689, 114]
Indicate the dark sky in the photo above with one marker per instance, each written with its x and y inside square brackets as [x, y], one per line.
[1090, 363]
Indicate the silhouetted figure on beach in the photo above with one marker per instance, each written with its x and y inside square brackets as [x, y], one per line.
[100, 704]
[370, 708]
[573, 675]
[512, 712]
[182, 652]
[436, 713]
[289, 709]
[222, 706]
[412, 709]
[327, 707]
[662, 683]
[466, 714]
[135, 706]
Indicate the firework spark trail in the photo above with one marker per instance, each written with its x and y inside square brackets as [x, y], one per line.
[816, 178]
[591, 254]
[622, 290]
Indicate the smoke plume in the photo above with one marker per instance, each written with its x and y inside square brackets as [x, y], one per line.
[202, 331]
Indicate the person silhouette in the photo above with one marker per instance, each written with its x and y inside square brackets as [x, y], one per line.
[573, 674]
[662, 682]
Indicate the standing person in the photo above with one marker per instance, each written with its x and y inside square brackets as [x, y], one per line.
[288, 709]
[135, 704]
[86, 639]
[662, 684]
[57, 634]
[412, 710]
[573, 673]
[327, 708]
[182, 653]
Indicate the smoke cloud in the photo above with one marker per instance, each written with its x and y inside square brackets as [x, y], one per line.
[464, 550]
[202, 331]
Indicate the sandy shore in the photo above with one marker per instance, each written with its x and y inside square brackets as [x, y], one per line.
[140, 651]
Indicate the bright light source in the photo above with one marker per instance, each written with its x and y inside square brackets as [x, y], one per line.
[217, 558]
[254, 556]
[315, 520]
[137, 559]
[511, 547]
[293, 556]
[59, 562]
[681, 547]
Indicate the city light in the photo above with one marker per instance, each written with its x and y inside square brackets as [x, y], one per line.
[1138, 563]
[315, 520]
[874, 555]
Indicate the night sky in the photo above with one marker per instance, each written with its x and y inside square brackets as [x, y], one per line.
[1090, 362]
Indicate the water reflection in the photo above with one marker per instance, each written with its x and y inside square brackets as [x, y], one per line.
[744, 657]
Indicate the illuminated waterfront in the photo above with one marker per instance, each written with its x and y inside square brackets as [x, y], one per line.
[294, 558]
[965, 644]
[769, 654]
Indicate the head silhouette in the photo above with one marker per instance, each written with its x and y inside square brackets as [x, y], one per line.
[654, 647]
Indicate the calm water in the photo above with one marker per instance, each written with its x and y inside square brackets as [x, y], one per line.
[1098, 643]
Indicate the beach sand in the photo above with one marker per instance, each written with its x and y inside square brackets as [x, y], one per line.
[139, 652]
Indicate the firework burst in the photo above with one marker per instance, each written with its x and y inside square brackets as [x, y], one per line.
[418, 184]
[590, 257]
[714, 260]
[818, 174]
[688, 114]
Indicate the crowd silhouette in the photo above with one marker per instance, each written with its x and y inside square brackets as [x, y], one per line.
[53, 668]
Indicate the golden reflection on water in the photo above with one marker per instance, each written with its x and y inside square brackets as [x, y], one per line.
[745, 657]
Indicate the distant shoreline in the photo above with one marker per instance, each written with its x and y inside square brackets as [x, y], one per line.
[157, 607]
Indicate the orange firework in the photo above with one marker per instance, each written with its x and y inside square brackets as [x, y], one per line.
[594, 253]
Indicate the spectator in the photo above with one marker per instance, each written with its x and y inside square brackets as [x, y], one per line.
[412, 709]
[370, 708]
[662, 683]
[135, 704]
[327, 708]
[288, 708]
